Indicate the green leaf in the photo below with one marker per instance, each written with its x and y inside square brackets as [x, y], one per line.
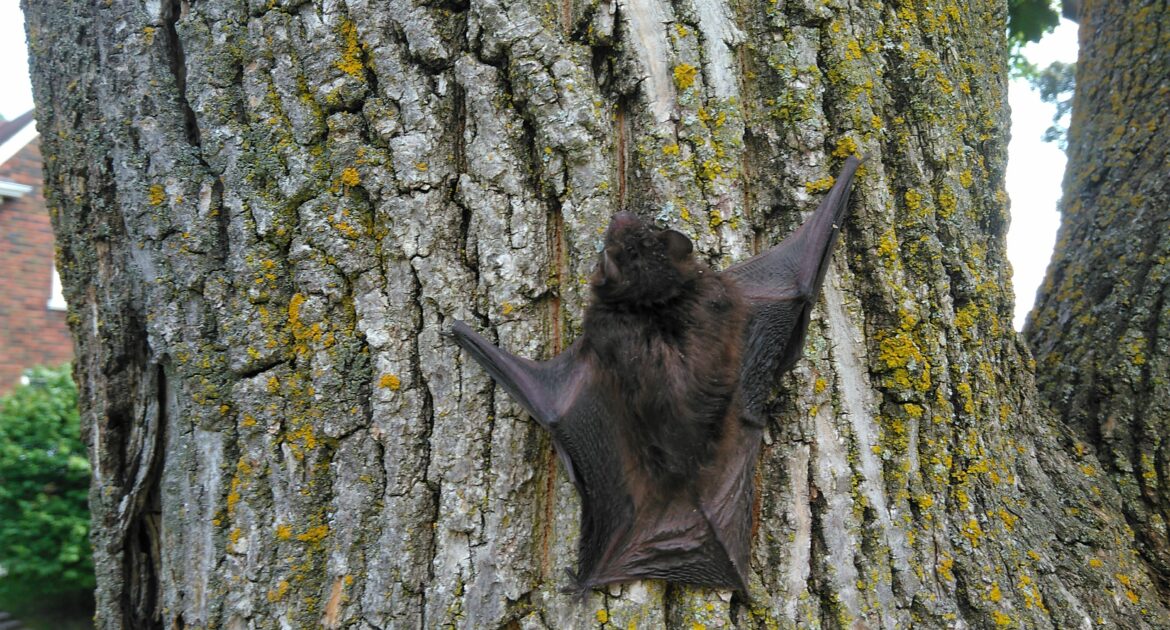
[44, 484]
[1028, 21]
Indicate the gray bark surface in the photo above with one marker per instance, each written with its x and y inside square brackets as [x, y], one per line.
[268, 212]
[1101, 326]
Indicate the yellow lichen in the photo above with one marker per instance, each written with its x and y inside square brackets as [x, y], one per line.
[684, 75]
[233, 497]
[351, 177]
[1008, 519]
[158, 195]
[914, 202]
[845, 147]
[351, 61]
[389, 381]
[901, 354]
[314, 534]
[710, 169]
[944, 568]
[853, 50]
[966, 178]
[973, 532]
[947, 202]
[820, 185]
[279, 592]
[304, 438]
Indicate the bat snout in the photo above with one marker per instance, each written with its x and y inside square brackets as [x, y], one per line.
[605, 271]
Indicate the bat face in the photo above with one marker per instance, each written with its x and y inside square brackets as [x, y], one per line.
[657, 410]
[640, 265]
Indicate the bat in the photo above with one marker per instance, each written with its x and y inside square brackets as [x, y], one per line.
[657, 410]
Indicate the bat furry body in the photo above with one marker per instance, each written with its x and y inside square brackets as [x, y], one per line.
[656, 411]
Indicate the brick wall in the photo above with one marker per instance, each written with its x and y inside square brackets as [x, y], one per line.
[30, 333]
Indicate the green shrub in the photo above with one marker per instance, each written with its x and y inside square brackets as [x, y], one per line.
[44, 483]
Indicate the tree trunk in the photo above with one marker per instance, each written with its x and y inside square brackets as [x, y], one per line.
[1101, 327]
[268, 212]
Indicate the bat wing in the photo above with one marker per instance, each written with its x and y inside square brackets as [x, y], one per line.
[550, 391]
[544, 389]
[781, 285]
[564, 396]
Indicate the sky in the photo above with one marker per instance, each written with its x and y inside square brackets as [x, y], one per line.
[1035, 167]
[15, 93]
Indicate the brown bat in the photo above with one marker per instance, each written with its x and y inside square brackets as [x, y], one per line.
[657, 409]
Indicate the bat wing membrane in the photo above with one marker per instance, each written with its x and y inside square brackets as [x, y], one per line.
[782, 285]
[795, 268]
[563, 396]
[545, 389]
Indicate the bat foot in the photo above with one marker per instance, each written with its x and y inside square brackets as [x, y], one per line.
[753, 418]
[576, 586]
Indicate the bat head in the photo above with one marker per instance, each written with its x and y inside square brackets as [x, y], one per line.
[641, 265]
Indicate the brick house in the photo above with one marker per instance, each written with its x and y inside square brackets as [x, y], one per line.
[32, 312]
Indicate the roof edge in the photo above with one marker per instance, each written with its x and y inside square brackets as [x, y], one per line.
[16, 136]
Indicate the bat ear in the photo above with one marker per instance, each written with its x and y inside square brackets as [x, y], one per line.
[678, 246]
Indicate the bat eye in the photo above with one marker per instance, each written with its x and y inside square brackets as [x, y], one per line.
[648, 243]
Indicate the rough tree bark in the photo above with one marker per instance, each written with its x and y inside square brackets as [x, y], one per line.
[1101, 327]
[268, 211]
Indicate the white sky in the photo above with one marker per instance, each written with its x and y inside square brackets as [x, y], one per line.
[15, 93]
[1035, 167]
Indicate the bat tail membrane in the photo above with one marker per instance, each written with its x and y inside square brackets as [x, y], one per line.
[538, 387]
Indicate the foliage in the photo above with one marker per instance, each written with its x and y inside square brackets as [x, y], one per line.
[44, 482]
[1055, 84]
[1028, 21]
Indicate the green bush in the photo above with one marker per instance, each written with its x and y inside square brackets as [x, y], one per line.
[44, 483]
